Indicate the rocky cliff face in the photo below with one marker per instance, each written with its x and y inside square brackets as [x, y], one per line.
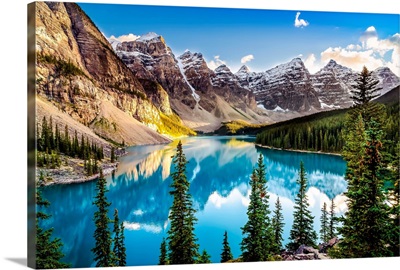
[290, 87]
[387, 79]
[333, 84]
[221, 82]
[285, 87]
[150, 58]
[77, 69]
[191, 86]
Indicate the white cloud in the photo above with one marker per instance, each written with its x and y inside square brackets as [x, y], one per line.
[300, 22]
[312, 64]
[217, 199]
[353, 47]
[129, 37]
[369, 34]
[138, 212]
[216, 62]
[134, 226]
[246, 58]
[352, 59]
[371, 52]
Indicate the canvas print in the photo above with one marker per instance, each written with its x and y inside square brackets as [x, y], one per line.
[165, 135]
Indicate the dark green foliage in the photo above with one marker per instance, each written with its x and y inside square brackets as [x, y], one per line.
[394, 198]
[323, 232]
[51, 160]
[102, 235]
[48, 250]
[162, 259]
[332, 222]
[226, 254]
[257, 243]
[51, 143]
[277, 227]
[367, 226]
[183, 248]
[324, 131]
[62, 68]
[112, 154]
[91, 167]
[131, 91]
[302, 231]
[119, 250]
[320, 132]
[365, 89]
[204, 257]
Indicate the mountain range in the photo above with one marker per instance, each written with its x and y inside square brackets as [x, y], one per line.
[139, 92]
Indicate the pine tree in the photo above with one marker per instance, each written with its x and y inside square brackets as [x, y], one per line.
[332, 222]
[112, 154]
[252, 242]
[162, 259]
[365, 225]
[48, 250]
[324, 231]
[102, 235]
[394, 199]
[277, 226]
[57, 139]
[226, 254]
[67, 141]
[257, 243]
[204, 257]
[119, 250]
[51, 134]
[366, 88]
[183, 248]
[268, 237]
[122, 256]
[75, 145]
[302, 231]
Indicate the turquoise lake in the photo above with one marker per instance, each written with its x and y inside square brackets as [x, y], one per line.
[219, 169]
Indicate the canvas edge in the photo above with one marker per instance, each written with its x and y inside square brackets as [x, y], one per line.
[31, 116]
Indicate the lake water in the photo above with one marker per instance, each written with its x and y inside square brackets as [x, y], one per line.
[219, 169]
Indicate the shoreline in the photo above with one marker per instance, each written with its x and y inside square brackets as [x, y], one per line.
[71, 173]
[297, 150]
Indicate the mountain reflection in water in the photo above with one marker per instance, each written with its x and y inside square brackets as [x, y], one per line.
[218, 170]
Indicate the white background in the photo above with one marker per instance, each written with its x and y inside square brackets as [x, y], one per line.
[13, 212]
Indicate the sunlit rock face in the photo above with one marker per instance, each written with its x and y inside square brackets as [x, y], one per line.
[77, 70]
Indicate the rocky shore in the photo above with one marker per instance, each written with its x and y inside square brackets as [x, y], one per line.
[71, 171]
[309, 253]
[297, 150]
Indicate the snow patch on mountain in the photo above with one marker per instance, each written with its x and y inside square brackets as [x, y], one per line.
[149, 37]
[182, 70]
[279, 109]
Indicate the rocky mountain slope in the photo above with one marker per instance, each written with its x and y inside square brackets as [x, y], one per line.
[285, 87]
[290, 87]
[114, 88]
[79, 74]
[201, 97]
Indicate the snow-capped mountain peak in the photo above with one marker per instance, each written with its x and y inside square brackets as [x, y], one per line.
[387, 79]
[222, 69]
[243, 69]
[151, 36]
[114, 42]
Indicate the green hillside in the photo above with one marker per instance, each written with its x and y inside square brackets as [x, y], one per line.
[323, 131]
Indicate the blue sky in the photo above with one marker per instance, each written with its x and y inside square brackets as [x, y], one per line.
[261, 39]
